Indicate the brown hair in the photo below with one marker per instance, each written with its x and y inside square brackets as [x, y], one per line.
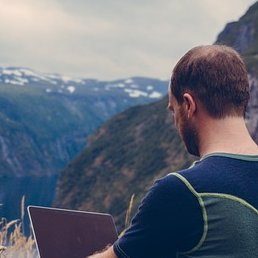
[217, 76]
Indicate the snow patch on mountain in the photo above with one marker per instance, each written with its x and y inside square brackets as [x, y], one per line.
[71, 89]
[120, 85]
[136, 93]
[135, 87]
[155, 95]
[128, 81]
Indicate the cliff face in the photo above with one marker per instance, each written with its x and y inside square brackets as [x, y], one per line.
[252, 112]
[238, 35]
[243, 36]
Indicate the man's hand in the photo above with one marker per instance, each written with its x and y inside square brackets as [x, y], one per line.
[108, 253]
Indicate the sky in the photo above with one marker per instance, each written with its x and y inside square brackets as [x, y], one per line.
[109, 39]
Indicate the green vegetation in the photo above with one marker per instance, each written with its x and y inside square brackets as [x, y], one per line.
[123, 158]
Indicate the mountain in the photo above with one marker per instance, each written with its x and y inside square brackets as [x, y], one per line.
[243, 36]
[46, 118]
[136, 147]
[122, 158]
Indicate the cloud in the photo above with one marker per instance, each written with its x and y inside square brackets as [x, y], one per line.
[109, 38]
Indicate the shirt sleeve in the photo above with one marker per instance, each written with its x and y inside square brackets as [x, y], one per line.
[159, 227]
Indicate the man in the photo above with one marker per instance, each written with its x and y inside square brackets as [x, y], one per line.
[211, 208]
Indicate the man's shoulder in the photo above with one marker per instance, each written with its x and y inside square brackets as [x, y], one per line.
[173, 184]
[199, 175]
[176, 177]
[221, 174]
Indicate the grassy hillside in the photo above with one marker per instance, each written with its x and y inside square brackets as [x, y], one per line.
[123, 158]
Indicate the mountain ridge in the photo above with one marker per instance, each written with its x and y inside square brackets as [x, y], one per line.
[45, 119]
[133, 87]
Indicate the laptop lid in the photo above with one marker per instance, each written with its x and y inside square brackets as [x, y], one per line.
[70, 234]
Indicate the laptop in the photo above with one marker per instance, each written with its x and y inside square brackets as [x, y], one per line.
[70, 234]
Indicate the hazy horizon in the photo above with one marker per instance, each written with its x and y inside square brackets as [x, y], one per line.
[109, 39]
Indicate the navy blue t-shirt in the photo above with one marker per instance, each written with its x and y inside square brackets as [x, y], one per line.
[208, 210]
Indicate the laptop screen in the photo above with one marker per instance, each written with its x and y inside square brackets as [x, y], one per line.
[70, 234]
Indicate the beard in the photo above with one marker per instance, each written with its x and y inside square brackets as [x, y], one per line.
[189, 135]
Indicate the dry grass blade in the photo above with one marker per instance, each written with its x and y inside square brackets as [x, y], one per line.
[2, 249]
[11, 223]
[22, 207]
[15, 244]
[128, 214]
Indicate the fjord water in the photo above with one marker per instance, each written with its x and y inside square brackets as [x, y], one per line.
[37, 191]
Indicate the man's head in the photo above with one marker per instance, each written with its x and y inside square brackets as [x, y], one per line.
[213, 76]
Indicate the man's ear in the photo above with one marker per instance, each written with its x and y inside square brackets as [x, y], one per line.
[190, 104]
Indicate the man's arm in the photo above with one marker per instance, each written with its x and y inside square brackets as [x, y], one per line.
[108, 253]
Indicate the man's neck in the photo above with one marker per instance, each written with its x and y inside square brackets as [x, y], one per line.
[228, 135]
